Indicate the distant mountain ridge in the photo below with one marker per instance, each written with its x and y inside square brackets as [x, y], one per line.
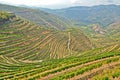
[101, 14]
[37, 16]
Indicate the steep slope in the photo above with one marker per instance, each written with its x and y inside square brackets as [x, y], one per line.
[23, 40]
[102, 14]
[39, 17]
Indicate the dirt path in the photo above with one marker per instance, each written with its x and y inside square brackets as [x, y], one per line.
[93, 72]
[72, 68]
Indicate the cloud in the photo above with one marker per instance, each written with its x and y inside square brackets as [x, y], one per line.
[60, 3]
[41, 3]
[32, 2]
[110, 1]
[77, 2]
[95, 2]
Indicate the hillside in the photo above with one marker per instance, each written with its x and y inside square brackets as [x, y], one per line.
[39, 17]
[114, 31]
[23, 40]
[103, 36]
[25, 50]
[101, 14]
[30, 51]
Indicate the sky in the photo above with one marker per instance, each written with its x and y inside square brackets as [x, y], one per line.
[60, 3]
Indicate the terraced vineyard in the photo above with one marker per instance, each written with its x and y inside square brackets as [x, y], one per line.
[23, 40]
[32, 52]
[81, 67]
[112, 73]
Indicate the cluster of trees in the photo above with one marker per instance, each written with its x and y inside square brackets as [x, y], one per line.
[5, 16]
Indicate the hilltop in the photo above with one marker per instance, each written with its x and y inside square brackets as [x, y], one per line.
[5, 17]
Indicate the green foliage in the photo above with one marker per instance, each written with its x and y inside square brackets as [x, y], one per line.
[4, 16]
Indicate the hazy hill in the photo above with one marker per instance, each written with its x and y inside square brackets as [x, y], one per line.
[102, 14]
[39, 17]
